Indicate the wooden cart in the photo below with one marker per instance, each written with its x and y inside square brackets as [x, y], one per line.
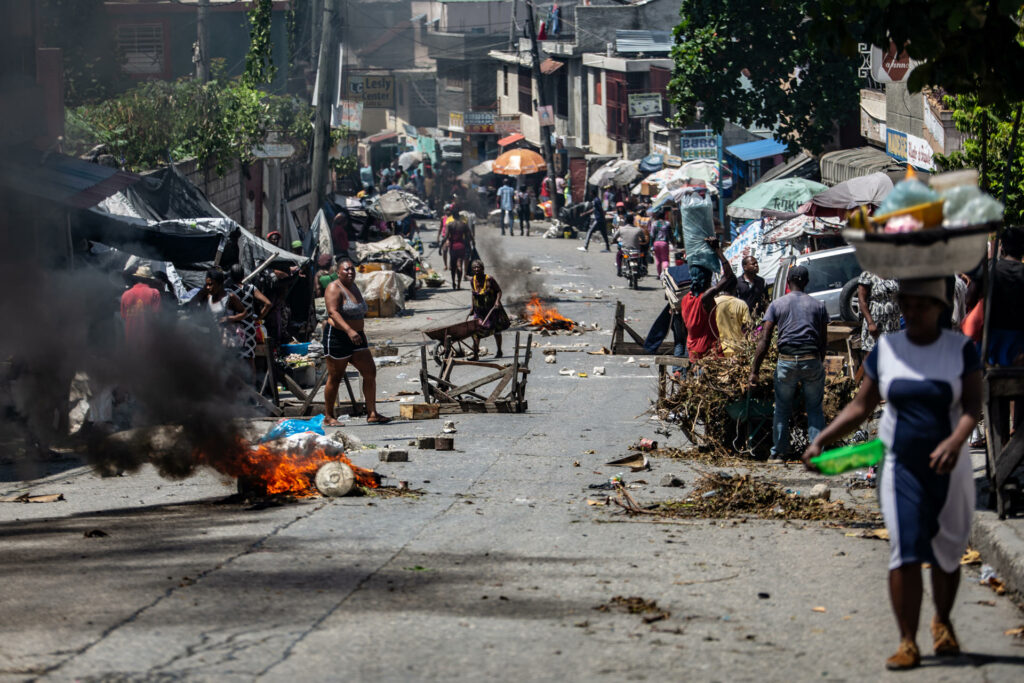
[451, 340]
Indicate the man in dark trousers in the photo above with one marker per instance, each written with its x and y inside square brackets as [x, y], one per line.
[751, 288]
[597, 222]
[803, 334]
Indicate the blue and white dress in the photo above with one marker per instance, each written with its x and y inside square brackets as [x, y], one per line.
[928, 515]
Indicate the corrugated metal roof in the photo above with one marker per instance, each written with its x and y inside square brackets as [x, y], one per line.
[800, 166]
[845, 164]
[649, 42]
[63, 179]
[759, 149]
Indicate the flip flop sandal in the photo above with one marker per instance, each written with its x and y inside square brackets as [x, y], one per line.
[379, 420]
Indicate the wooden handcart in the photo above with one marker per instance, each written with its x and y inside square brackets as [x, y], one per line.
[452, 340]
[507, 395]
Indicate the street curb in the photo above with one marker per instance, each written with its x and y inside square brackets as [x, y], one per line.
[1001, 546]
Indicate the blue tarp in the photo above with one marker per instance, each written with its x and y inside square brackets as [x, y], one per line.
[759, 149]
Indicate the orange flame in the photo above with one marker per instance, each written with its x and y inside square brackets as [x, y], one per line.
[546, 316]
[281, 471]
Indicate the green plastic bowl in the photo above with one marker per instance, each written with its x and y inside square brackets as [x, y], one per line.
[839, 460]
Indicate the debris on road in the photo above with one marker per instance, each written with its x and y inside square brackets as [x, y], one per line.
[878, 534]
[636, 462]
[647, 609]
[449, 427]
[672, 481]
[645, 445]
[819, 609]
[29, 498]
[425, 442]
[550, 359]
[335, 479]
[388, 492]
[971, 556]
[393, 455]
[598, 370]
[990, 579]
[603, 351]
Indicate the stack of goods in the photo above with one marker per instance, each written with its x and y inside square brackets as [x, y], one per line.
[698, 225]
[922, 231]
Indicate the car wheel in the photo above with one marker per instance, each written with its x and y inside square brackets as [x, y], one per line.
[849, 303]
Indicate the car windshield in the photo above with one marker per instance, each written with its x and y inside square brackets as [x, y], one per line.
[831, 272]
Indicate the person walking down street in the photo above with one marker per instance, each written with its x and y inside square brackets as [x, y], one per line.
[752, 288]
[344, 340]
[697, 307]
[523, 209]
[460, 244]
[802, 322]
[598, 223]
[661, 239]
[734, 321]
[878, 309]
[930, 379]
[506, 202]
[486, 308]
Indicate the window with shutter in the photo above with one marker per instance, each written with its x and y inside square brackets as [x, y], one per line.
[525, 91]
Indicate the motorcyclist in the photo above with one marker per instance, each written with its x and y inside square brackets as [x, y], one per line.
[630, 237]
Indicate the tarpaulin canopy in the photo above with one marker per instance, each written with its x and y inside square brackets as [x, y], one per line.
[849, 194]
[784, 231]
[786, 194]
[479, 171]
[618, 172]
[62, 179]
[394, 205]
[652, 163]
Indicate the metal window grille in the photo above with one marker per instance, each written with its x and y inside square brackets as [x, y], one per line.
[141, 47]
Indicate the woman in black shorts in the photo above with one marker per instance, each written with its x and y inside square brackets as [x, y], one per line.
[344, 340]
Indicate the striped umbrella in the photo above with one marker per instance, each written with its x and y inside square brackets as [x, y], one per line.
[519, 162]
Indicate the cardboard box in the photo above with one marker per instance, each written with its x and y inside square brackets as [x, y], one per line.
[834, 365]
[419, 411]
[378, 308]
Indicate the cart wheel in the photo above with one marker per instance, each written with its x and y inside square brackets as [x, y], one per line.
[438, 353]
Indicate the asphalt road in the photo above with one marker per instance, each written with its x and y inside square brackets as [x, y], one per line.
[495, 572]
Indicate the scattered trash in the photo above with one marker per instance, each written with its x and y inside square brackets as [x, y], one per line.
[603, 351]
[820, 492]
[986, 603]
[582, 374]
[709, 494]
[575, 463]
[550, 359]
[643, 365]
[636, 462]
[444, 443]
[524, 501]
[598, 370]
[565, 372]
[819, 609]
[590, 451]
[630, 360]
[449, 427]
[425, 442]
[645, 445]
[990, 579]
[880, 534]
[648, 609]
[28, 498]
[402, 375]
[1015, 632]
[393, 455]
[335, 479]
[671, 480]
[591, 501]
[764, 596]
[95, 533]
[972, 556]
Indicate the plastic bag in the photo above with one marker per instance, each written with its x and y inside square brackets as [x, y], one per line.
[907, 193]
[698, 225]
[292, 426]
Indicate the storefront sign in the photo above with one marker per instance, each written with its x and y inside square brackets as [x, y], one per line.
[546, 115]
[934, 125]
[348, 114]
[375, 92]
[456, 121]
[507, 124]
[661, 149]
[479, 122]
[644, 104]
[910, 149]
[698, 144]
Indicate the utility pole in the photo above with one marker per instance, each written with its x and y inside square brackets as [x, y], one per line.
[201, 55]
[512, 26]
[326, 77]
[545, 133]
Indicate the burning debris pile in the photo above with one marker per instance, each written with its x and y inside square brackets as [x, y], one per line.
[720, 495]
[543, 317]
[721, 414]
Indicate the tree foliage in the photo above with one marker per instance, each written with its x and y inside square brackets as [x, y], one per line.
[755, 64]
[80, 28]
[259, 61]
[968, 47]
[160, 121]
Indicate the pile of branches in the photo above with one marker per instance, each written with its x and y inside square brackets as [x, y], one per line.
[720, 495]
[699, 404]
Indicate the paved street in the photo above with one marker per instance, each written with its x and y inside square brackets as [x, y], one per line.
[494, 573]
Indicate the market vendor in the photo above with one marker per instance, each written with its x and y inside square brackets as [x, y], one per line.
[751, 287]
[803, 335]
[930, 379]
[486, 308]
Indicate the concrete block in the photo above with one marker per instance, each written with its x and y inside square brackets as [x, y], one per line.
[393, 455]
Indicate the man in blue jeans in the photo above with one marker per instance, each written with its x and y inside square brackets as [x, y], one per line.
[506, 199]
[802, 322]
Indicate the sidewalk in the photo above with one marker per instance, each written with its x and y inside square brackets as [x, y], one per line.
[1000, 542]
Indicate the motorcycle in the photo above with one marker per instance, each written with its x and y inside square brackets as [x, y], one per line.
[634, 266]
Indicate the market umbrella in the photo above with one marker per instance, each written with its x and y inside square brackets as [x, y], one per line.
[849, 194]
[519, 162]
[801, 225]
[616, 172]
[409, 159]
[480, 170]
[786, 194]
[651, 163]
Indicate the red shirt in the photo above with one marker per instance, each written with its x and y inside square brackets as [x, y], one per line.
[701, 327]
[137, 304]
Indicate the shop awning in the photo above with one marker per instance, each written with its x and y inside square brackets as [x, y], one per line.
[759, 149]
[800, 166]
[509, 139]
[550, 66]
[845, 164]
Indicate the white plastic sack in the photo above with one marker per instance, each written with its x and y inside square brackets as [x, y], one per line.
[384, 285]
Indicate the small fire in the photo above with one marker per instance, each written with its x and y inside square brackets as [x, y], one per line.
[547, 317]
[278, 471]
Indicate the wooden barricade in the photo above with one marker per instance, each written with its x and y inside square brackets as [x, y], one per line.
[507, 395]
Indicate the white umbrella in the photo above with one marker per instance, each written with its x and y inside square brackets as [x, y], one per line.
[409, 159]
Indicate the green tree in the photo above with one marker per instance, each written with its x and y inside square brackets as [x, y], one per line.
[755, 64]
[259, 61]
